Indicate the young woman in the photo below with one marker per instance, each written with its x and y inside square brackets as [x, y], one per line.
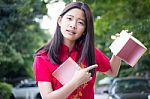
[74, 37]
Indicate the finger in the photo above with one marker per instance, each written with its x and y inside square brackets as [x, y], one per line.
[126, 30]
[117, 35]
[113, 37]
[89, 74]
[90, 67]
[131, 33]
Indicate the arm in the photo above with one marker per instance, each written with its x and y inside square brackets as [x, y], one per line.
[80, 77]
[48, 93]
[115, 63]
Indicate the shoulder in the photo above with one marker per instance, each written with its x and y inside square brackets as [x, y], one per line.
[102, 60]
[100, 56]
[98, 52]
[42, 60]
[41, 54]
[41, 57]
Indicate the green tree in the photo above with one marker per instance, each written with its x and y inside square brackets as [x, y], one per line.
[20, 36]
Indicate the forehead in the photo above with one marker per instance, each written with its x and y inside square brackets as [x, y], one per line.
[77, 13]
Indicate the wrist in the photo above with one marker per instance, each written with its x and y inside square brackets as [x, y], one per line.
[116, 57]
[73, 83]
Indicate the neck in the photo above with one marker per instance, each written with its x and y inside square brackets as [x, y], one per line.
[69, 44]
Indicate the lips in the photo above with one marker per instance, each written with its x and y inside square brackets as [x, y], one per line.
[70, 31]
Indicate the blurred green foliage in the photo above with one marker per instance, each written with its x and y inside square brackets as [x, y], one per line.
[20, 36]
[5, 90]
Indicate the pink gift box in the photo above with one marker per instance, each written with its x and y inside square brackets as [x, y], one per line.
[128, 48]
[66, 70]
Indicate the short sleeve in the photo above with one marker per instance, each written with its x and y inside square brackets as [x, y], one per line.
[102, 61]
[41, 70]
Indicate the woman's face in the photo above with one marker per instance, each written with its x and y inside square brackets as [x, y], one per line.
[72, 24]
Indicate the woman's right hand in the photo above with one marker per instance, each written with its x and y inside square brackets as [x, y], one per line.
[113, 37]
[82, 76]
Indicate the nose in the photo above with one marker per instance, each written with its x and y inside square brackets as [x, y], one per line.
[73, 24]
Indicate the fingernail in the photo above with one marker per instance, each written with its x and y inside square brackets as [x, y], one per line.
[96, 65]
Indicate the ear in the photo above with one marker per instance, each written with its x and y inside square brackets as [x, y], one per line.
[59, 20]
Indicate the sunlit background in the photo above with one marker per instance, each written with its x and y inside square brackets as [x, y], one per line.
[49, 21]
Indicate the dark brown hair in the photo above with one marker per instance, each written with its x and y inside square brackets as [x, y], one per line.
[86, 41]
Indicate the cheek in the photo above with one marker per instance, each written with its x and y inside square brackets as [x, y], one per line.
[80, 34]
[63, 26]
[81, 30]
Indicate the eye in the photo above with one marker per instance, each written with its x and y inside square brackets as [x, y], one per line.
[81, 23]
[69, 18]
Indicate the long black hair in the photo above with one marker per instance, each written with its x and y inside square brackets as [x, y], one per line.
[86, 41]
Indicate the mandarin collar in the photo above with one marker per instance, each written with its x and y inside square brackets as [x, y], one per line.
[65, 48]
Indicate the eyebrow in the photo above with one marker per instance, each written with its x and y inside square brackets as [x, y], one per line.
[78, 18]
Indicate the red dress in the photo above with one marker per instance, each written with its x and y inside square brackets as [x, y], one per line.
[43, 69]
